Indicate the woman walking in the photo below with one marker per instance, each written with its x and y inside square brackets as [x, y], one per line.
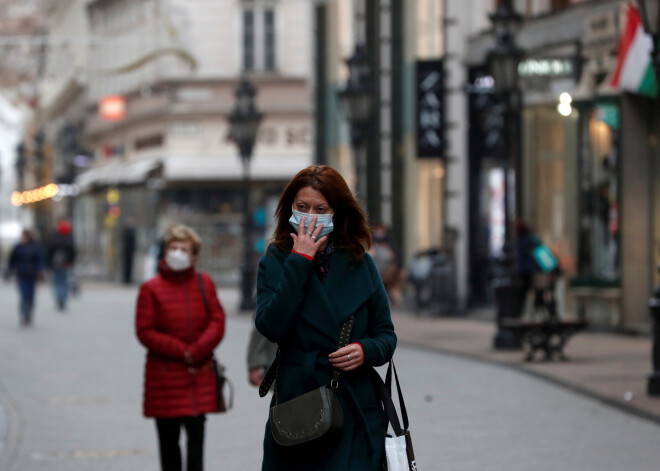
[315, 275]
[180, 321]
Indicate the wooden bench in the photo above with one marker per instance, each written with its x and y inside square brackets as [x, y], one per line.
[548, 336]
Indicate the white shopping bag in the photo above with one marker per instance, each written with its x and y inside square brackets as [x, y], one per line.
[395, 450]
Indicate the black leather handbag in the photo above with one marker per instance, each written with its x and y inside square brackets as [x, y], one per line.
[312, 418]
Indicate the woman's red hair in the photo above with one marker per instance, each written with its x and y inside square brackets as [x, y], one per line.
[351, 232]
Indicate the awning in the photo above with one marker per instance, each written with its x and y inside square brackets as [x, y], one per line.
[196, 168]
[117, 173]
[229, 167]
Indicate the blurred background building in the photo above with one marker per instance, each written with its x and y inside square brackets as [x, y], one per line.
[21, 62]
[130, 103]
[135, 100]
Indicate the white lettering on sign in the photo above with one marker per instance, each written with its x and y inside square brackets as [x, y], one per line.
[545, 67]
[289, 136]
[430, 108]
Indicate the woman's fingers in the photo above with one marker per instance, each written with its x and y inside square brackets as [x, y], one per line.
[301, 226]
[347, 358]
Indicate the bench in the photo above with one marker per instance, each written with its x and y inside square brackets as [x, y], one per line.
[548, 336]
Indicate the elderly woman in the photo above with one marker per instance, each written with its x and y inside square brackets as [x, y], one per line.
[315, 275]
[180, 321]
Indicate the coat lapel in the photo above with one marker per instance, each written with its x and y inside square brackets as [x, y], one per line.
[329, 304]
[348, 286]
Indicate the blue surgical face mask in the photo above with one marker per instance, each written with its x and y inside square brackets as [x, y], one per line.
[325, 219]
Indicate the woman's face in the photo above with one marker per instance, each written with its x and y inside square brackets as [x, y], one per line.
[185, 246]
[310, 201]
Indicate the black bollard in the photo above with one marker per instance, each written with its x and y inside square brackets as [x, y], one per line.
[653, 381]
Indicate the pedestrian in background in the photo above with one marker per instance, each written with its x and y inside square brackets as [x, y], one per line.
[384, 253]
[180, 321]
[61, 257]
[27, 262]
[260, 355]
[315, 275]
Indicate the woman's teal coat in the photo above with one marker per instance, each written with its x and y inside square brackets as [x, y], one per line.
[304, 316]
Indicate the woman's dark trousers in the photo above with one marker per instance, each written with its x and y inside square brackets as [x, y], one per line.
[168, 440]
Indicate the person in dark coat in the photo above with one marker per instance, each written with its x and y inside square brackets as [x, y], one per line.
[28, 262]
[314, 276]
[180, 325]
[61, 257]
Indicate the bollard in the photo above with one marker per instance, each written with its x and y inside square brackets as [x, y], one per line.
[653, 381]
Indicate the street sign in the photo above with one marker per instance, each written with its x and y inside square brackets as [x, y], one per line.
[430, 109]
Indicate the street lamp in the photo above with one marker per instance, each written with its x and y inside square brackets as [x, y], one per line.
[356, 100]
[503, 62]
[244, 121]
[649, 11]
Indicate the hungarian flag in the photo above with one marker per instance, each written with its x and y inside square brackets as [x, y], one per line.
[634, 70]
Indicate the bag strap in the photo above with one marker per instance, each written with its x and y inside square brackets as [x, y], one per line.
[201, 288]
[388, 385]
[344, 338]
[388, 406]
[271, 373]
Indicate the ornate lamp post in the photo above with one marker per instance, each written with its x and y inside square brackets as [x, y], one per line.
[356, 99]
[649, 11]
[244, 121]
[503, 62]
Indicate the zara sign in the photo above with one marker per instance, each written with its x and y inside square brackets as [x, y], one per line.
[430, 109]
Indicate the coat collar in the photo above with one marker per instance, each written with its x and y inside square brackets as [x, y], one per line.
[175, 276]
[346, 288]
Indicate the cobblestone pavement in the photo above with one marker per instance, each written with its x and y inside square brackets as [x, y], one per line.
[70, 387]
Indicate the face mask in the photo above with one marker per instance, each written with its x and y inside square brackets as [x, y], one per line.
[325, 219]
[177, 260]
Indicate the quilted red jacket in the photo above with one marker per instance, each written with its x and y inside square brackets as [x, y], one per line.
[170, 319]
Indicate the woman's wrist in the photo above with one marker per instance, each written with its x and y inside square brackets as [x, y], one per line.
[364, 359]
[308, 257]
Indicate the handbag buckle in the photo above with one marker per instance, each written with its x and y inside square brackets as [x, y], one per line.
[334, 384]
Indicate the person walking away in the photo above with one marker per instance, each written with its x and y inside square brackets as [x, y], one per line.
[315, 276]
[61, 257]
[27, 262]
[260, 354]
[180, 321]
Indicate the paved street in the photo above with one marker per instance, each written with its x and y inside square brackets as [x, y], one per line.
[70, 391]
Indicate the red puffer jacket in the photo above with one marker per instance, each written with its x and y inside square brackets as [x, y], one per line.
[170, 320]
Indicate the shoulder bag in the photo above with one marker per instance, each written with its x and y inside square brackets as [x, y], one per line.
[312, 418]
[218, 368]
[399, 454]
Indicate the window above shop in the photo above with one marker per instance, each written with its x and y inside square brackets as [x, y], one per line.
[259, 35]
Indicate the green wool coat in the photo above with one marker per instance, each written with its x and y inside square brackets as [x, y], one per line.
[304, 316]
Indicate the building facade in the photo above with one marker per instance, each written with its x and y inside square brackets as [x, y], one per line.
[404, 189]
[588, 181]
[160, 77]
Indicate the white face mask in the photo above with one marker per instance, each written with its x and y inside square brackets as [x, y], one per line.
[177, 260]
[325, 219]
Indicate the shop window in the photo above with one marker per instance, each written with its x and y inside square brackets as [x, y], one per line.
[548, 182]
[599, 194]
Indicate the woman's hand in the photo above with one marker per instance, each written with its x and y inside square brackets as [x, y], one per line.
[255, 376]
[308, 243]
[348, 358]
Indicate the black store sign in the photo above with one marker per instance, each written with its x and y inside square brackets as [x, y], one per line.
[430, 108]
